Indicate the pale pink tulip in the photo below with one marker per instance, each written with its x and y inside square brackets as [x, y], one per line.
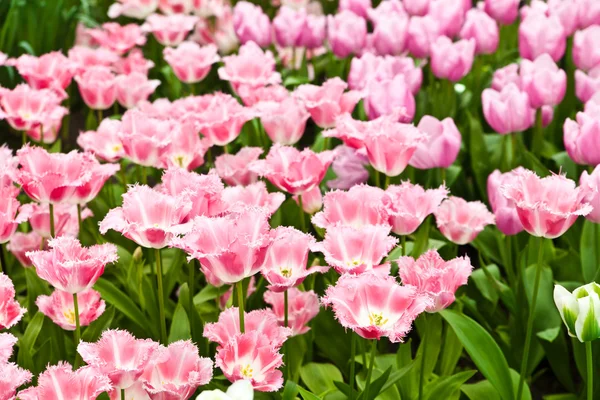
[507, 219]
[148, 217]
[346, 33]
[382, 68]
[358, 7]
[176, 6]
[7, 342]
[543, 81]
[251, 356]
[589, 13]
[134, 88]
[254, 195]
[312, 201]
[119, 356]
[416, 7]
[288, 26]
[98, 87]
[539, 34]
[119, 38]
[503, 11]
[437, 278]
[49, 71]
[585, 180]
[25, 108]
[390, 33]
[21, 243]
[506, 75]
[461, 221]
[581, 137]
[374, 305]
[349, 167]
[251, 67]
[567, 12]
[285, 121]
[452, 61]
[220, 32]
[9, 220]
[313, 34]
[134, 62]
[302, 308]
[422, 32]
[586, 54]
[8, 165]
[190, 62]
[390, 97]
[442, 146]
[170, 30]
[233, 168]
[144, 138]
[60, 309]
[11, 311]
[587, 84]
[65, 219]
[104, 143]
[251, 95]
[547, 207]
[86, 57]
[138, 9]
[449, 15]
[251, 24]
[507, 111]
[186, 150]
[482, 28]
[292, 170]
[49, 126]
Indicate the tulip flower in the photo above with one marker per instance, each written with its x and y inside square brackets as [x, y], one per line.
[9, 220]
[312, 201]
[539, 34]
[233, 168]
[186, 150]
[422, 32]
[138, 9]
[288, 25]
[59, 307]
[251, 67]
[346, 33]
[586, 55]
[482, 28]
[543, 81]
[87, 57]
[358, 7]
[461, 221]
[313, 33]
[589, 13]
[251, 24]
[134, 88]
[10, 310]
[145, 139]
[66, 219]
[12, 376]
[49, 71]
[240, 390]
[190, 62]
[452, 61]
[390, 97]
[580, 138]
[104, 143]
[442, 146]
[507, 111]
[176, 6]
[507, 218]
[170, 30]
[254, 195]
[25, 108]
[302, 308]
[586, 180]
[285, 121]
[98, 87]
[416, 7]
[506, 75]
[390, 34]
[134, 62]
[587, 84]
[577, 310]
[21, 243]
[349, 167]
[119, 38]
[449, 15]
[503, 11]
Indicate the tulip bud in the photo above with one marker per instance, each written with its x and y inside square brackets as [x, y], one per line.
[580, 310]
[138, 255]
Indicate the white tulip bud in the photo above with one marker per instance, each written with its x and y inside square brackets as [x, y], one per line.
[240, 390]
[580, 310]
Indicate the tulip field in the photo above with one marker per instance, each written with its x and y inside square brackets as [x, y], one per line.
[300, 199]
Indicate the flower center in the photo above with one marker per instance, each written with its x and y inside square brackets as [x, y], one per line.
[69, 315]
[377, 319]
[117, 148]
[285, 272]
[354, 263]
[179, 160]
[247, 371]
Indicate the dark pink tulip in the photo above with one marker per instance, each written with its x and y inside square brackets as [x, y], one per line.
[313, 34]
[503, 11]
[350, 168]
[233, 168]
[11, 311]
[442, 146]
[119, 38]
[461, 221]
[507, 218]
[251, 67]
[285, 121]
[138, 9]
[422, 32]
[346, 33]
[237, 198]
[543, 81]
[449, 14]
[190, 62]
[60, 309]
[302, 308]
[104, 143]
[49, 71]
[539, 34]
[581, 137]
[21, 243]
[170, 30]
[507, 111]
[134, 62]
[65, 219]
[9, 220]
[390, 97]
[452, 61]
[586, 180]
[98, 87]
[483, 29]
[251, 24]
[134, 88]
[587, 84]
[25, 108]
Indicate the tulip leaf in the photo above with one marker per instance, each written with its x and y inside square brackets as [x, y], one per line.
[180, 327]
[589, 251]
[95, 329]
[27, 342]
[289, 390]
[445, 387]
[306, 395]
[483, 350]
[485, 390]
[319, 378]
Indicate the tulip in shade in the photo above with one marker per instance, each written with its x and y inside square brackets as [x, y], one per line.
[170, 30]
[49, 71]
[408, 205]
[263, 322]
[145, 139]
[251, 356]
[374, 305]
[70, 267]
[231, 247]
[586, 54]
[21, 243]
[233, 168]
[461, 221]
[10, 310]
[119, 356]
[507, 218]
[507, 111]
[190, 62]
[579, 310]
[61, 382]
[442, 147]
[104, 143]
[117, 38]
[543, 81]
[326, 102]
[138, 9]
[302, 308]
[25, 108]
[452, 61]
[134, 88]
[438, 278]
[390, 97]
[356, 250]
[134, 62]
[60, 309]
[251, 24]
[292, 170]
[349, 167]
[240, 390]
[9, 220]
[482, 28]
[539, 34]
[238, 198]
[65, 219]
[548, 206]
[346, 33]
[422, 32]
[98, 87]
[285, 121]
[587, 85]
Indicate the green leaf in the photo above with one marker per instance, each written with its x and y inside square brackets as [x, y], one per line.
[566, 396]
[180, 327]
[589, 250]
[27, 342]
[35, 287]
[95, 329]
[483, 350]
[377, 385]
[486, 287]
[546, 316]
[289, 390]
[485, 390]
[306, 395]
[319, 378]
[549, 334]
[451, 350]
[445, 387]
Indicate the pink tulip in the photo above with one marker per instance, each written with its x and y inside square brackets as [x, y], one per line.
[87, 57]
[286, 258]
[59, 308]
[302, 308]
[503, 76]
[98, 87]
[452, 61]
[442, 147]
[539, 34]
[351, 250]
[104, 143]
[250, 67]
[416, 7]
[138, 9]
[586, 180]
[285, 121]
[251, 24]
[408, 205]
[11, 311]
[313, 34]
[148, 217]
[176, 6]
[503, 11]
[482, 28]
[25, 108]
[145, 139]
[461, 221]
[449, 15]
[292, 170]
[382, 68]
[134, 62]
[263, 322]
[589, 13]
[8, 165]
[12, 378]
[74, 178]
[251, 356]
[220, 31]
[170, 30]
[288, 26]
[190, 62]
[234, 168]
[586, 54]
[422, 32]
[547, 207]
[119, 38]
[9, 220]
[134, 88]
[312, 201]
[349, 167]
[438, 278]
[360, 206]
[587, 84]
[390, 34]
[49, 71]
[231, 247]
[346, 33]
[7, 342]
[21, 243]
[543, 81]
[507, 111]
[65, 219]
[390, 97]
[49, 127]
[254, 195]
[326, 102]
[58, 381]
[358, 7]
[581, 138]
[251, 96]
[353, 132]
[186, 150]
[119, 356]
[70, 267]
[374, 305]
[567, 12]
[507, 219]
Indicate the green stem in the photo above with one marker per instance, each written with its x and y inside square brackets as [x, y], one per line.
[443, 175]
[122, 394]
[377, 178]
[42, 135]
[387, 182]
[239, 288]
[77, 332]
[589, 370]
[513, 137]
[191, 279]
[24, 137]
[115, 108]
[370, 371]
[301, 216]
[509, 262]
[538, 133]
[286, 324]
[144, 175]
[529, 332]
[99, 116]
[79, 218]
[423, 357]
[352, 363]
[226, 149]
[51, 210]
[403, 244]
[161, 297]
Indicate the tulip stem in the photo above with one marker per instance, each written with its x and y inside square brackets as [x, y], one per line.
[77, 332]
[122, 394]
[513, 161]
[42, 135]
[403, 244]
[239, 288]
[529, 332]
[377, 178]
[370, 371]
[226, 149]
[423, 357]
[144, 175]
[192, 271]
[302, 219]
[99, 116]
[286, 324]
[443, 175]
[123, 177]
[79, 218]
[352, 363]
[24, 137]
[51, 211]
[161, 298]
[538, 133]
[589, 370]
[386, 182]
